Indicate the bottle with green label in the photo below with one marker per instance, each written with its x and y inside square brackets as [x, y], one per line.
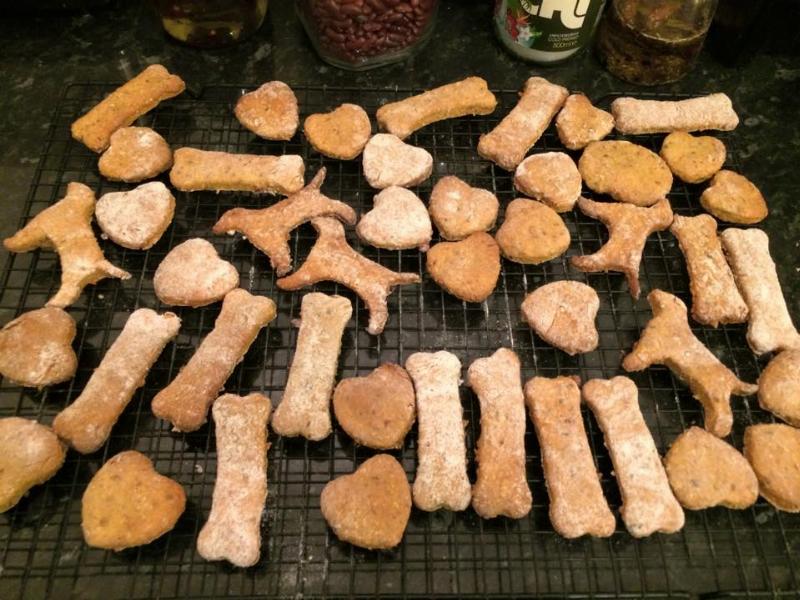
[546, 31]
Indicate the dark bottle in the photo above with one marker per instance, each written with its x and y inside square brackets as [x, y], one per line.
[211, 23]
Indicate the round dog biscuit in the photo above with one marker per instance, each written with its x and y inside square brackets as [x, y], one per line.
[779, 387]
[773, 450]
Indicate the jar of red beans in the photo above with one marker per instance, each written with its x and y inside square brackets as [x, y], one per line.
[362, 34]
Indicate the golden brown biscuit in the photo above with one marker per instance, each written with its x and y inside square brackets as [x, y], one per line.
[732, 197]
[551, 178]
[468, 269]
[36, 348]
[30, 454]
[128, 503]
[376, 410]
[66, 227]
[193, 274]
[270, 111]
[562, 313]
[633, 116]
[136, 219]
[370, 507]
[773, 450]
[341, 133]
[692, 158]
[389, 161]
[459, 210]
[398, 221]
[135, 154]
[532, 233]
[779, 387]
[579, 122]
[668, 340]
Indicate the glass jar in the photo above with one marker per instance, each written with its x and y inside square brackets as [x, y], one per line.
[653, 41]
[363, 34]
[211, 23]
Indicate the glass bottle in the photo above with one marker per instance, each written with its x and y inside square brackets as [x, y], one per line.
[211, 23]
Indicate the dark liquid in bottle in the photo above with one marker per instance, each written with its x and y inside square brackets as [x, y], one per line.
[211, 23]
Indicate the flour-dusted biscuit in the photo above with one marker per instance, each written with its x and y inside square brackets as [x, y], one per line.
[441, 480]
[128, 503]
[733, 198]
[507, 144]
[562, 313]
[398, 221]
[648, 505]
[136, 219]
[773, 450]
[135, 154]
[579, 122]
[628, 228]
[470, 96]
[635, 116]
[268, 229]
[124, 105]
[186, 400]
[86, 423]
[770, 326]
[36, 348]
[198, 170]
[376, 410]
[270, 111]
[305, 407]
[502, 486]
[30, 454]
[693, 158]
[532, 233]
[468, 269]
[551, 178]
[233, 529]
[458, 210]
[388, 161]
[668, 340]
[779, 387]
[193, 274]
[333, 259]
[705, 471]
[370, 507]
[715, 298]
[66, 227]
[577, 504]
[341, 133]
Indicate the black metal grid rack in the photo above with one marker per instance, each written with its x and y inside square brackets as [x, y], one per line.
[719, 553]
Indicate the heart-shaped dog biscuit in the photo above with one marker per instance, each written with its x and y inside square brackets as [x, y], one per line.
[136, 219]
[193, 274]
[389, 161]
[341, 133]
[459, 210]
[532, 233]
[467, 269]
[397, 221]
[135, 154]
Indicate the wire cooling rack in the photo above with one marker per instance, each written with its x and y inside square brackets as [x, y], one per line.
[719, 553]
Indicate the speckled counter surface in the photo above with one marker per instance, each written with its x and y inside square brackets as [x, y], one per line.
[39, 55]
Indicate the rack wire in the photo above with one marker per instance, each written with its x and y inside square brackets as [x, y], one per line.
[719, 553]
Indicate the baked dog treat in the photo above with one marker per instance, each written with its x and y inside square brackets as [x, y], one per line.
[627, 172]
[577, 504]
[397, 221]
[86, 423]
[193, 274]
[628, 228]
[532, 233]
[136, 219]
[692, 158]
[185, 401]
[198, 170]
[332, 259]
[30, 454]
[124, 105]
[562, 313]
[66, 227]
[389, 161]
[36, 348]
[507, 144]
[633, 116]
[732, 197]
[770, 326]
[268, 228]
[128, 503]
[341, 133]
[705, 471]
[551, 178]
[648, 505]
[270, 111]
[305, 407]
[502, 486]
[135, 154]
[470, 96]
[370, 507]
[580, 123]
[233, 529]
[467, 269]
[779, 387]
[459, 210]
[715, 298]
[441, 480]
[376, 410]
[773, 450]
[668, 340]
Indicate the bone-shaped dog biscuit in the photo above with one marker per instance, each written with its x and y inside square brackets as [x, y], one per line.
[633, 116]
